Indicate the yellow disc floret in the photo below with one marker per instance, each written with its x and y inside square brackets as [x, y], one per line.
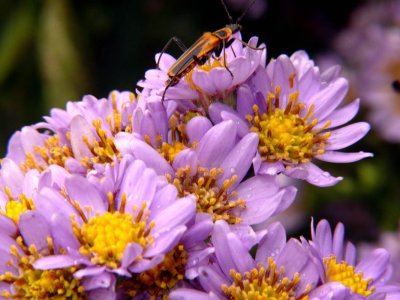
[15, 207]
[104, 238]
[264, 283]
[159, 280]
[169, 151]
[57, 152]
[53, 152]
[44, 284]
[178, 140]
[287, 134]
[211, 198]
[30, 283]
[342, 272]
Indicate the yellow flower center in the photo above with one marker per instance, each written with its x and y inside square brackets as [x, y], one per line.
[342, 272]
[179, 139]
[52, 153]
[169, 151]
[103, 148]
[264, 283]
[104, 238]
[29, 283]
[15, 207]
[285, 135]
[161, 279]
[211, 198]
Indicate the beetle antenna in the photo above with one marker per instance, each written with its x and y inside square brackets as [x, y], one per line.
[227, 11]
[245, 11]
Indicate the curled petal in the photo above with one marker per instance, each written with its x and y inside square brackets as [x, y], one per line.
[346, 136]
[81, 190]
[55, 262]
[330, 97]
[185, 293]
[197, 127]
[313, 175]
[216, 144]
[146, 264]
[185, 158]
[7, 226]
[375, 264]
[239, 159]
[272, 243]
[343, 157]
[81, 130]
[179, 213]
[165, 242]
[341, 115]
[127, 144]
[34, 229]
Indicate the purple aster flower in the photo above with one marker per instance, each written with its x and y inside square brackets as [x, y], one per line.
[342, 277]
[76, 138]
[22, 246]
[16, 189]
[370, 47]
[209, 162]
[295, 110]
[280, 270]
[389, 240]
[215, 79]
[137, 230]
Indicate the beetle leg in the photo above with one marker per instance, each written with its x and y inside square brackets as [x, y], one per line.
[228, 44]
[247, 45]
[200, 61]
[165, 90]
[175, 40]
[225, 65]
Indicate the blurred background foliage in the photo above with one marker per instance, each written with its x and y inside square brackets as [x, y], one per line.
[53, 51]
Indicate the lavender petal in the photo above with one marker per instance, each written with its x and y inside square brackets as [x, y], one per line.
[346, 136]
[343, 157]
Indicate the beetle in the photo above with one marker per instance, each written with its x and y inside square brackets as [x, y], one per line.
[202, 49]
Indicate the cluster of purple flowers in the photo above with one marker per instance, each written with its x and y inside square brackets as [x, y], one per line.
[140, 197]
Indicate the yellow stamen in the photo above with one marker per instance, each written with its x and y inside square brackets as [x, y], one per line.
[158, 281]
[211, 198]
[104, 151]
[346, 274]
[179, 140]
[15, 207]
[284, 134]
[105, 237]
[30, 283]
[264, 283]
